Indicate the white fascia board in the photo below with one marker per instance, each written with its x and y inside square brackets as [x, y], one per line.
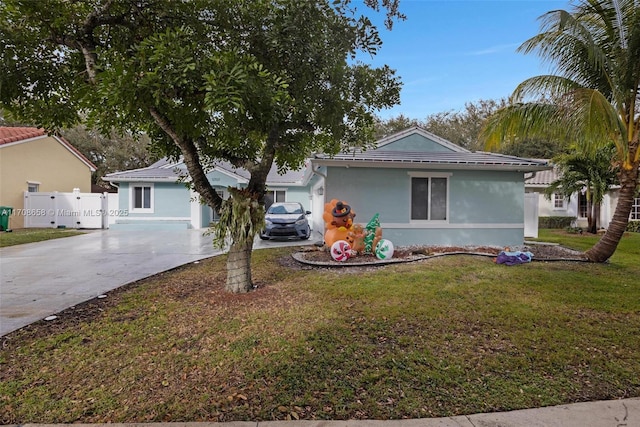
[69, 149]
[421, 165]
[131, 179]
[9, 144]
[239, 178]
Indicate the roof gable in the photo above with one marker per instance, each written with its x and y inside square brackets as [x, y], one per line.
[18, 135]
[416, 139]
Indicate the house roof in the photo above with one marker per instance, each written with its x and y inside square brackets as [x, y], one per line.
[417, 156]
[431, 160]
[543, 178]
[17, 135]
[166, 170]
[13, 134]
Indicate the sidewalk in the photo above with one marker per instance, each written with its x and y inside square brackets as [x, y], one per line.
[612, 413]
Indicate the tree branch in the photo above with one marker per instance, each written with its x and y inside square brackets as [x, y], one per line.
[191, 160]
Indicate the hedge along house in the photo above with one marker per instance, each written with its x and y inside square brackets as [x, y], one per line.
[157, 197]
[430, 191]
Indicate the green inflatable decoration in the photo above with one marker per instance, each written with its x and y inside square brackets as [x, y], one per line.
[370, 233]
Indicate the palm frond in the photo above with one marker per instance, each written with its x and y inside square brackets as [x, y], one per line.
[594, 121]
[523, 120]
[546, 87]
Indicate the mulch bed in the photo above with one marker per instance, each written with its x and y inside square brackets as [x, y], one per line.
[546, 252]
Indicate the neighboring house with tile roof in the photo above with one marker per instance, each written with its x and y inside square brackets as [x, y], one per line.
[157, 196]
[576, 205]
[33, 161]
[427, 190]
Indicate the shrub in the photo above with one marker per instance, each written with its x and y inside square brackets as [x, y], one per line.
[634, 226]
[555, 221]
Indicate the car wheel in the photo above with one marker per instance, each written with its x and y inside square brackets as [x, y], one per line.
[263, 237]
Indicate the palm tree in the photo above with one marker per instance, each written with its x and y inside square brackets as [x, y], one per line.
[592, 174]
[590, 99]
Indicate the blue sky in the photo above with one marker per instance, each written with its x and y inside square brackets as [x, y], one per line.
[449, 52]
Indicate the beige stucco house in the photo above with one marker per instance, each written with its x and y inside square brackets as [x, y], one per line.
[31, 160]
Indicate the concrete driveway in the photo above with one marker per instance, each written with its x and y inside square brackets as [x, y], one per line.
[40, 279]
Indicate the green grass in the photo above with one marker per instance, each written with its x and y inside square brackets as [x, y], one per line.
[31, 235]
[452, 335]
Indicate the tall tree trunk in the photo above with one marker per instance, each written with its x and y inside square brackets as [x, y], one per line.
[593, 220]
[597, 207]
[589, 212]
[606, 246]
[239, 267]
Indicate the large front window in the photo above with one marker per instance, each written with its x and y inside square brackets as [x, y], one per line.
[429, 198]
[142, 198]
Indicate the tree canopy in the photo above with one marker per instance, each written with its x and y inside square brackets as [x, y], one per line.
[252, 82]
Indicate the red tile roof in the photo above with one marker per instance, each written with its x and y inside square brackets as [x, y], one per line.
[15, 134]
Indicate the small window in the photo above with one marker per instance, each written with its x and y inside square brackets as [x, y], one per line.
[33, 187]
[273, 196]
[215, 216]
[142, 198]
[429, 198]
[635, 209]
[558, 201]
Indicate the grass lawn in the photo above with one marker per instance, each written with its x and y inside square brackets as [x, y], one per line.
[452, 335]
[30, 235]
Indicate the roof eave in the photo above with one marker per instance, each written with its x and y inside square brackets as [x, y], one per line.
[428, 165]
[137, 179]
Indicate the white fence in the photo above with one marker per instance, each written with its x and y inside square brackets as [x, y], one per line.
[68, 210]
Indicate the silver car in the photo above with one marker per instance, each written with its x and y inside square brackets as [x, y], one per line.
[286, 221]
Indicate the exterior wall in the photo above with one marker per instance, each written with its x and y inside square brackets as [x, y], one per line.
[41, 160]
[607, 208]
[296, 194]
[171, 204]
[485, 207]
[546, 208]
[415, 142]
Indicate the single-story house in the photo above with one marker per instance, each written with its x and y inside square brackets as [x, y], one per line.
[157, 196]
[33, 161]
[576, 205]
[427, 190]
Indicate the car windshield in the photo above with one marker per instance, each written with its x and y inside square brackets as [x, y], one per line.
[285, 209]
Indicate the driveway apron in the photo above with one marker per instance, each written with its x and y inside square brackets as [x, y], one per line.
[40, 279]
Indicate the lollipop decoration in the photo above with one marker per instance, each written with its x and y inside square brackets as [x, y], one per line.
[340, 251]
[384, 249]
